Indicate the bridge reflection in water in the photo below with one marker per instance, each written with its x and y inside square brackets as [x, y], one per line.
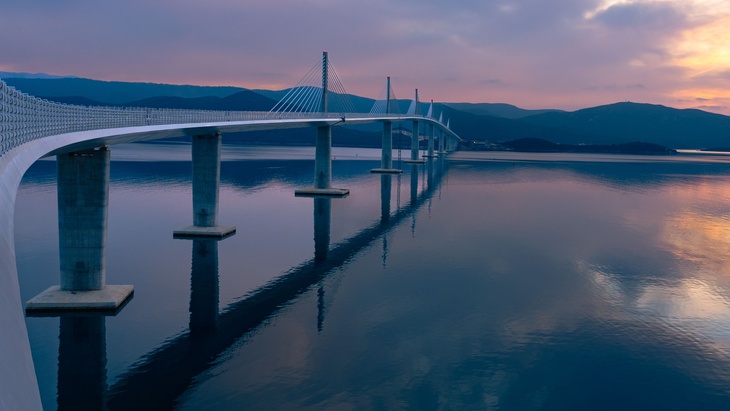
[82, 381]
[164, 374]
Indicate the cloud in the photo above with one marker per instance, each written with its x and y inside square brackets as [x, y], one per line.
[712, 108]
[659, 16]
[549, 53]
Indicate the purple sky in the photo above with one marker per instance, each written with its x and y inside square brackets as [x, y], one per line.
[565, 54]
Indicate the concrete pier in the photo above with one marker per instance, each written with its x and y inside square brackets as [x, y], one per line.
[323, 149]
[206, 150]
[442, 143]
[323, 168]
[386, 163]
[430, 141]
[83, 197]
[451, 143]
[415, 134]
[323, 158]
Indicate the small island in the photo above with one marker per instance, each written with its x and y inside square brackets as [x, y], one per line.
[717, 149]
[538, 145]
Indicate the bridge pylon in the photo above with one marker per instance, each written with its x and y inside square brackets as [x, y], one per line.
[386, 163]
[415, 134]
[442, 135]
[431, 134]
[323, 149]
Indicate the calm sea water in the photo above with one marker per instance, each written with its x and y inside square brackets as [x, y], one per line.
[484, 281]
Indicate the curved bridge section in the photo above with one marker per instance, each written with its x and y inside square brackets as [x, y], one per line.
[33, 128]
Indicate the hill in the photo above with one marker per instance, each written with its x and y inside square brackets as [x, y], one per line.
[487, 128]
[623, 122]
[485, 122]
[242, 101]
[77, 100]
[540, 145]
[497, 110]
[361, 104]
[8, 74]
[112, 92]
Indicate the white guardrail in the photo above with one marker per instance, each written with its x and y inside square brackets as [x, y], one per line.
[25, 118]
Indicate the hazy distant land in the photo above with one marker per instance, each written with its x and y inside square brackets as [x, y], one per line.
[619, 127]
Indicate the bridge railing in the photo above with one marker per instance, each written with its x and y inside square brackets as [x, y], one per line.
[24, 118]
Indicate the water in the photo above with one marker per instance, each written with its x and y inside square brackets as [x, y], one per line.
[487, 281]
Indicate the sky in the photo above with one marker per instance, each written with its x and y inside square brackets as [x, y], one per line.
[565, 54]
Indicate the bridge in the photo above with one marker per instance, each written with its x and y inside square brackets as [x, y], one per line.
[80, 136]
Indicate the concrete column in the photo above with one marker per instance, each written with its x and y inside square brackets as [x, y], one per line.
[206, 179]
[415, 132]
[414, 141]
[323, 149]
[204, 288]
[386, 162]
[82, 363]
[83, 197]
[323, 158]
[442, 147]
[323, 168]
[206, 153]
[430, 140]
[83, 200]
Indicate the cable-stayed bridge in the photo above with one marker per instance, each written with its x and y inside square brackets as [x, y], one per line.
[80, 136]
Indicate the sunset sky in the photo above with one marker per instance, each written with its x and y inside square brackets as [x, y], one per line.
[566, 54]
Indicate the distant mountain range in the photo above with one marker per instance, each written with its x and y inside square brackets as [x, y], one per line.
[496, 110]
[482, 122]
[112, 92]
[8, 74]
[623, 122]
